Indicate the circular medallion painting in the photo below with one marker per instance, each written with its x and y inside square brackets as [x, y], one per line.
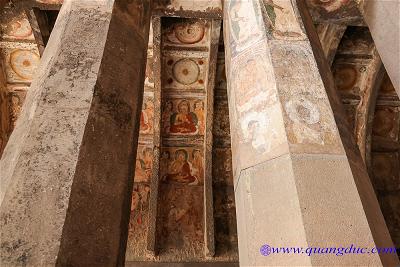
[24, 63]
[346, 78]
[189, 33]
[186, 71]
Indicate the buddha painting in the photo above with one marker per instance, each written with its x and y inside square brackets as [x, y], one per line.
[184, 121]
[181, 170]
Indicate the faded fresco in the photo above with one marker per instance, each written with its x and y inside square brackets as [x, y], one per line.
[16, 98]
[308, 116]
[226, 243]
[185, 45]
[256, 110]
[385, 156]
[253, 20]
[17, 28]
[23, 59]
[183, 125]
[181, 227]
[19, 58]
[182, 166]
[354, 69]
[147, 116]
[347, 11]
[186, 33]
[144, 164]
[184, 72]
[183, 117]
[139, 219]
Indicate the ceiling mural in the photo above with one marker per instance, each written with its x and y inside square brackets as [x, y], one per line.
[385, 155]
[184, 110]
[19, 58]
[373, 111]
[355, 75]
[224, 196]
[185, 60]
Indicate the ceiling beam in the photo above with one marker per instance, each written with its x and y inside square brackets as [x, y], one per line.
[344, 12]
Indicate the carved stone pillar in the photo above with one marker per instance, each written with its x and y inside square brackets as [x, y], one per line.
[298, 181]
[66, 173]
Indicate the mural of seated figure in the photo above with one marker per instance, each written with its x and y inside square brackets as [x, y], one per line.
[184, 121]
[180, 171]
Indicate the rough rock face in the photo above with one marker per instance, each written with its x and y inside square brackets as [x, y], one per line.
[61, 185]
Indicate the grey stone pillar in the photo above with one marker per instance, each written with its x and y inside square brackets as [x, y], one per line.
[65, 175]
[298, 180]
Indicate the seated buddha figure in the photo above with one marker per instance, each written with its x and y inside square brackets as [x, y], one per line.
[184, 121]
[180, 170]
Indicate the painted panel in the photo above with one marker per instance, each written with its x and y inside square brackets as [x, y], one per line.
[387, 122]
[20, 61]
[184, 72]
[182, 165]
[181, 217]
[187, 33]
[183, 117]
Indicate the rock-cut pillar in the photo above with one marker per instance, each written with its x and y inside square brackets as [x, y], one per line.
[298, 181]
[65, 176]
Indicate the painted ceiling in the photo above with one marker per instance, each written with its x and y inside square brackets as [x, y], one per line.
[186, 61]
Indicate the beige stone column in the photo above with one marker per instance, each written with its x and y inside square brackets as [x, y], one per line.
[383, 20]
[65, 175]
[299, 178]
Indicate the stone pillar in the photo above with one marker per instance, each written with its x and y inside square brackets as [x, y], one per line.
[2, 3]
[297, 177]
[65, 176]
[4, 116]
[382, 18]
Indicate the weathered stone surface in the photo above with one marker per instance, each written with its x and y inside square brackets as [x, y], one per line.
[66, 171]
[289, 149]
[382, 18]
[189, 8]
